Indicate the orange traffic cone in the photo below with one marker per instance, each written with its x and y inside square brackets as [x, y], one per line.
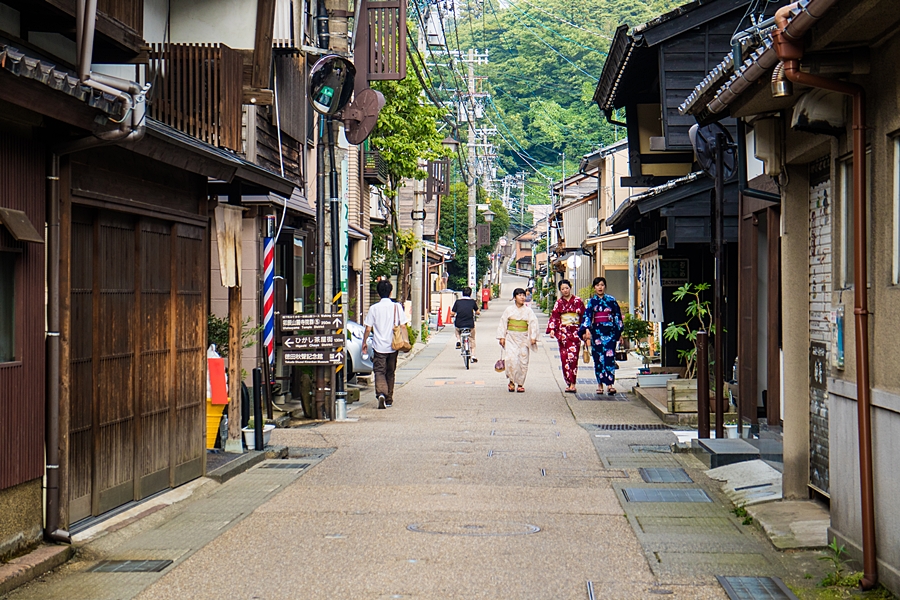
[447, 319]
[440, 320]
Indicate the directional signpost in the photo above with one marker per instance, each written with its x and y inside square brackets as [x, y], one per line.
[312, 322]
[311, 342]
[312, 349]
[313, 357]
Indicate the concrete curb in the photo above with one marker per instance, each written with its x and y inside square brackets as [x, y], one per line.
[32, 565]
[245, 462]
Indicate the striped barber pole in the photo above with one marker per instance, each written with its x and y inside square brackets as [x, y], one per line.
[269, 298]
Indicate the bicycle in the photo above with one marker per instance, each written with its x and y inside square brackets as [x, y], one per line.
[465, 348]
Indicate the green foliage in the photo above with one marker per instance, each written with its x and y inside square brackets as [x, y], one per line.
[585, 293]
[637, 331]
[453, 232]
[217, 333]
[406, 130]
[545, 59]
[425, 332]
[834, 554]
[413, 334]
[699, 318]
[495, 290]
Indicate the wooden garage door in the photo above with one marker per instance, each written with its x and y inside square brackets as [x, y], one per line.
[137, 358]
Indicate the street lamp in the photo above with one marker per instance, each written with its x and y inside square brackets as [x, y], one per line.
[488, 215]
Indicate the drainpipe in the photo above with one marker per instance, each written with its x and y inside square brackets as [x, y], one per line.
[131, 129]
[790, 51]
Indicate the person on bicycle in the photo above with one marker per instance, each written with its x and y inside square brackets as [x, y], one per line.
[463, 313]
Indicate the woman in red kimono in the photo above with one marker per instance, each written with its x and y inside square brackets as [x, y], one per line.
[563, 325]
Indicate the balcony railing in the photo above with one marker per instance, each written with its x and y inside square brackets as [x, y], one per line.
[198, 89]
[375, 171]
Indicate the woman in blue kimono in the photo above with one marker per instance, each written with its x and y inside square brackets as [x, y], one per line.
[601, 328]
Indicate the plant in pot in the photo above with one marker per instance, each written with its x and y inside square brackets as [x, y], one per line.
[682, 396]
[250, 434]
[700, 318]
[636, 331]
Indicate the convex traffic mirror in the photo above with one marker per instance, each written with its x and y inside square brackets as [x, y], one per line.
[331, 84]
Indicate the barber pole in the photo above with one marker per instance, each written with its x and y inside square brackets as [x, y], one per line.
[269, 298]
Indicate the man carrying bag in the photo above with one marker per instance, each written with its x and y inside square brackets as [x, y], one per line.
[386, 320]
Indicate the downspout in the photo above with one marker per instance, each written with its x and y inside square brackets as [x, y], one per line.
[790, 50]
[131, 129]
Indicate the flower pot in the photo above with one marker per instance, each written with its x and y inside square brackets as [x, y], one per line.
[250, 436]
[731, 430]
[655, 379]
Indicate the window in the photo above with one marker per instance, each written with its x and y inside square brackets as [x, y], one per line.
[7, 306]
[845, 170]
[299, 275]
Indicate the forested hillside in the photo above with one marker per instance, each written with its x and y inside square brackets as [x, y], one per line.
[545, 57]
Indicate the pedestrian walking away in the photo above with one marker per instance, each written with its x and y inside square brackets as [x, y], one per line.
[601, 328]
[518, 335]
[463, 313]
[564, 323]
[380, 321]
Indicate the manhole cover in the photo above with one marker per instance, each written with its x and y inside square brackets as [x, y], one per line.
[130, 566]
[665, 495]
[755, 588]
[283, 465]
[664, 475]
[474, 529]
[632, 427]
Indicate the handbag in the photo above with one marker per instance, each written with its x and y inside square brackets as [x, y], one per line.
[586, 353]
[500, 365]
[400, 339]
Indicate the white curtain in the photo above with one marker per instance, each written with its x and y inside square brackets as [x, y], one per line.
[651, 290]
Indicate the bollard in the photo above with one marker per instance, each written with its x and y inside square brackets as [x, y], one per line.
[257, 410]
[703, 386]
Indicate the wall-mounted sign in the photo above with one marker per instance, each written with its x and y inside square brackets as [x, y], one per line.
[818, 366]
[673, 272]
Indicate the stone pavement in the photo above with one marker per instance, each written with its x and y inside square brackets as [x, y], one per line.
[461, 490]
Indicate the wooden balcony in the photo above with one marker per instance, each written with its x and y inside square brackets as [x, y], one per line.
[375, 169]
[197, 89]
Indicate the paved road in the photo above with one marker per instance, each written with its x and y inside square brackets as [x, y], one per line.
[461, 490]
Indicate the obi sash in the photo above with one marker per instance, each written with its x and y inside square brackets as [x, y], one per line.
[569, 318]
[518, 325]
[601, 317]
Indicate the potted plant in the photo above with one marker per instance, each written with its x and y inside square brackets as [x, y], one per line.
[731, 429]
[682, 394]
[250, 434]
[637, 331]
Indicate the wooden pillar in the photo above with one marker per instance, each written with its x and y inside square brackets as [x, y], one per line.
[773, 342]
[234, 443]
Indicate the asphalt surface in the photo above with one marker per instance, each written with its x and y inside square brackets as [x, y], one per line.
[460, 490]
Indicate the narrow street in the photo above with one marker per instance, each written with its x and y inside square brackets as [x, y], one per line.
[460, 490]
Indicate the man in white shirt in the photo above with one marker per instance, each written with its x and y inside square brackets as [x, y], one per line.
[380, 320]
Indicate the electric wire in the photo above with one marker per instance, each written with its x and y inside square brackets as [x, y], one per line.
[563, 21]
[556, 33]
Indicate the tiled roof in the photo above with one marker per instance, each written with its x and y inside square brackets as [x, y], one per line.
[21, 65]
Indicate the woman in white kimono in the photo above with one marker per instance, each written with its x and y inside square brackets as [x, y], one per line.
[518, 333]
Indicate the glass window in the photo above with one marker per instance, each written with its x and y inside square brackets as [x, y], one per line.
[7, 306]
[846, 219]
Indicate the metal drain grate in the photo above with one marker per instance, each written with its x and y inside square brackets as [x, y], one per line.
[284, 465]
[650, 448]
[631, 427]
[130, 566]
[664, 475]
[665, 495]
[603, 398]
[755, 588]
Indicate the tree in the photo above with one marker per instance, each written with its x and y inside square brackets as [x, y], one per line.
[406, 132]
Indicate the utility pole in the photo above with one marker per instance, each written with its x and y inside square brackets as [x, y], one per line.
[470, 121]
[418, 219]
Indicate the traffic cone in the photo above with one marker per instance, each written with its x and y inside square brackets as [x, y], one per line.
[447, 318]
[440, 320]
